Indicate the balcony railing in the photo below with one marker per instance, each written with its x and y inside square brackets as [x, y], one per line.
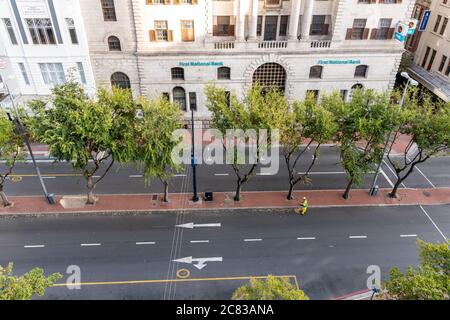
[272, 44]
[224, 45]
[320, 44]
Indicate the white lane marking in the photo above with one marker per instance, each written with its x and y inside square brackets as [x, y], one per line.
[34, 246]
[96, 177]
[145, 242]
[199, 241]
[357, 237]
[393, 172]
[135, 176]
[408, 235]
[387, 178]
[192, 225]
[48, 177]
[306, 238]
[90, 244]
[179, 175]
[431, 183]
[317, 172]
[439, 230]
[221, 174]
[250, 240]
[265, 174]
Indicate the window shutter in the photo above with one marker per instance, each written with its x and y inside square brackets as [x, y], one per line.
[373, 34]
[149, 2]
[231, 30]
[169, 35]
[348, 36]
[390, 33]
[152, 35]
[366, 34]
[194, 2]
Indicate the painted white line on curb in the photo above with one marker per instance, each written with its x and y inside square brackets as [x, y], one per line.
[90, 244]
[306, 238]
[145, 242]
[408, 235]
[34, 246]
[252, 240]
[199, 241]
[357, 237]
[439, 230]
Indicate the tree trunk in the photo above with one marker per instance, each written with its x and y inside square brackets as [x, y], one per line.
[4, 198]
[393, 193]
[291, 189]
[237, 196]
[90, 186]
[347, 190]
[166, 191]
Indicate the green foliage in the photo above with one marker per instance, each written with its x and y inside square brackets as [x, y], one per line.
[430, 281]
[154, 137]
[272, 288]
[24, 287]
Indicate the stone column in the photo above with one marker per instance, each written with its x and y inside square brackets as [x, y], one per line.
[242, 7]
[293, 19]
[307, 19]
[254, 19]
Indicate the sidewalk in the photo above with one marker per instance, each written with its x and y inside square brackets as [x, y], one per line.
[224, 200]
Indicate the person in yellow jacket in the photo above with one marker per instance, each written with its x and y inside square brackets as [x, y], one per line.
[303, 207]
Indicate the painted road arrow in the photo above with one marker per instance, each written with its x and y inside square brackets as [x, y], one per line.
[191, 225]
[199, 263]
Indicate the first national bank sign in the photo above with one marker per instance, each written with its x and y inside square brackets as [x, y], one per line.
[200, 64]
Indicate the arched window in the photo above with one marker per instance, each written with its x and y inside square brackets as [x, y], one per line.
[179, 96]
[361, 71]
[270, 75]
[120, 80]
[114, 44]
[177, 73]
[357, 86]
[315, 72]
[109, 10]
[223, 73]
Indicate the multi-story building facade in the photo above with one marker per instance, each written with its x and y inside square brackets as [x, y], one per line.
[432, 58]
[42, 43]
[175, 47]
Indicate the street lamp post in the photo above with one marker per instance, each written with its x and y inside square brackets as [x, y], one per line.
[48, 197]
[193, 161]
[409, 81]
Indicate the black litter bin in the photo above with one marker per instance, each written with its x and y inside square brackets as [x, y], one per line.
[208, 196]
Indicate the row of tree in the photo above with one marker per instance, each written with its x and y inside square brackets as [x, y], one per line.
[95, 133]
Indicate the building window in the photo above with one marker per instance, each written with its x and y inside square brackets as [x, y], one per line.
[10, 29]
[443, 61]
[314, 94]
[383, 29]
[361, 71]
[114, 44]
[344, 94]
[161, 30]
[358, 29]
[223, 73]
[120, 80]
[166, 96]
[52, 73]
[259, 26]
[24, 73]
[318, 26]
[283, 25]
[223, 26]
[193, 101]
[273, 2]
[270, 76]
[447, 72]
[389, 1]
[438, 22]
[179, 96]
[81, 72]
[187, 30]
[444, 25]
[430, 64]
[177, 73]
[41, 31]
[109, 10]
[425, 57]
[315, 72]
[72, 31]
[364, 2]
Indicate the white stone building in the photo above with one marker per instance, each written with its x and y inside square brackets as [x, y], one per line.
[175, 47]
[42, 43]
[432, 59]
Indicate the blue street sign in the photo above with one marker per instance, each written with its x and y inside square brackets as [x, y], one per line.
[424, 21]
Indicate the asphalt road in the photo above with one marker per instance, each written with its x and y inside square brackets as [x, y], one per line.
[327, 251]
[327, 174]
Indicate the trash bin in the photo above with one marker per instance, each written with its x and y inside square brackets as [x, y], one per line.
[374, 190]
[208, 196]
[51, 198]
